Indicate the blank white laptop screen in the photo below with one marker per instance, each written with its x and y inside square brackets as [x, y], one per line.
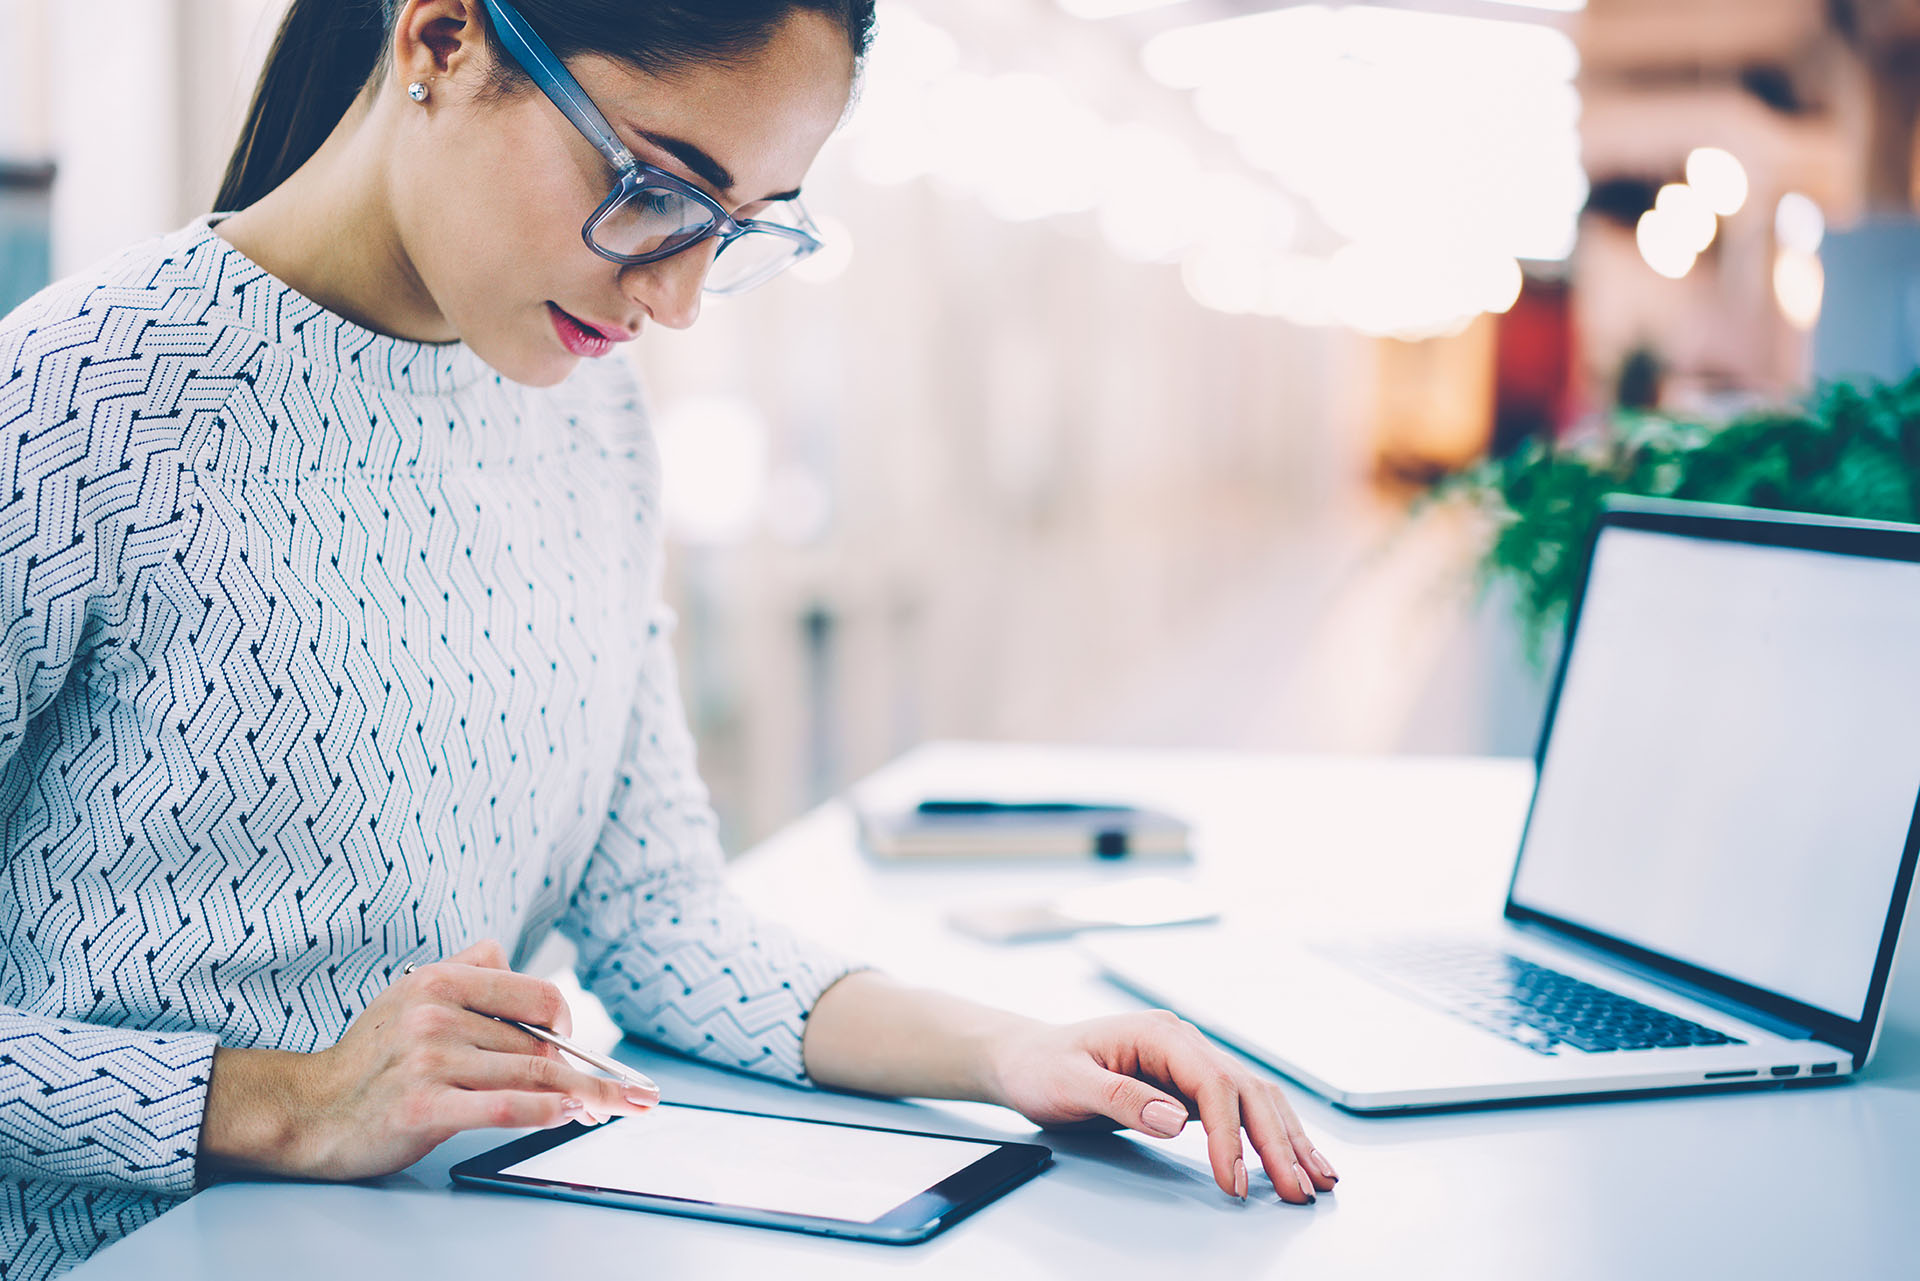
[1734, 759]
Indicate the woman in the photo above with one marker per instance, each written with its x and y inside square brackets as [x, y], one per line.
[330, 640]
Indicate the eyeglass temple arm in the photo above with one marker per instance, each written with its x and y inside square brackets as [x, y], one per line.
[548, 72]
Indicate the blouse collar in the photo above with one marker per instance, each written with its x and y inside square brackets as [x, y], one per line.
[271, 307]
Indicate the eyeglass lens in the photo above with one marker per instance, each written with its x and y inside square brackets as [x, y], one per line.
[747, 260]
[652, 220]
[658, 220]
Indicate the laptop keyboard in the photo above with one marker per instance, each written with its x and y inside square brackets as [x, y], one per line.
[1530, 1005]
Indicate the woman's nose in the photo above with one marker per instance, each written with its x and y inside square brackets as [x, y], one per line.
[670, 289]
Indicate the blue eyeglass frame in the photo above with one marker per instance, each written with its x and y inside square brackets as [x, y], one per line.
[546, 70]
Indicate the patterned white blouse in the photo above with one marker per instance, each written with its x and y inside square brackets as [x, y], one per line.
[320, 652]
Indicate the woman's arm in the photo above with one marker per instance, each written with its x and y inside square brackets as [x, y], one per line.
[80, 1102]
[1147, 1071]
[677, 959]
[675, 956]
[108, 1106]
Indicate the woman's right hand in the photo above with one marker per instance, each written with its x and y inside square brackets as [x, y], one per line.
[420, 1064]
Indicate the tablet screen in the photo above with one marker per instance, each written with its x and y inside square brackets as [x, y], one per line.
[756, 1162]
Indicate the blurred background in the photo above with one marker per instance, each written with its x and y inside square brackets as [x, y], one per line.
[1143, 324]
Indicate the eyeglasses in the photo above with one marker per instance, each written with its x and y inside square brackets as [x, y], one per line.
[651, 214]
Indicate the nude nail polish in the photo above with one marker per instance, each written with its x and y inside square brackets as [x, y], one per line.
[1306, 1184]
[1326, 1166]
[1164, 1118]
[1240, 1178]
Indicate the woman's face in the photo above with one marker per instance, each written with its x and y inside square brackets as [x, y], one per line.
[491, 194]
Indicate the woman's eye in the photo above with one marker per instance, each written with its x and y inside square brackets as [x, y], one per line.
[660, 203]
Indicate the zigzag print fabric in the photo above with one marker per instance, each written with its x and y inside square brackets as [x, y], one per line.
[320, 652]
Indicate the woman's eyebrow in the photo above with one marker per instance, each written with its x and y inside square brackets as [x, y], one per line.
[703, 165]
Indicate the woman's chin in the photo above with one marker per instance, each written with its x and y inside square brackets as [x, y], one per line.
[547, 368]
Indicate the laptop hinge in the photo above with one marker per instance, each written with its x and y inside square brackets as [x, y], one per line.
[1680, 987]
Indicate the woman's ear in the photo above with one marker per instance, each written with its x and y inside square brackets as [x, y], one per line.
[439, 40]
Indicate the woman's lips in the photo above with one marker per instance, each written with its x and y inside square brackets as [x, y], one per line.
[580, 337]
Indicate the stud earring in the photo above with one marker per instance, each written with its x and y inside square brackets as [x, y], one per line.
[417, 91]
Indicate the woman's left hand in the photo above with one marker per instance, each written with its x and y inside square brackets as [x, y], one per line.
[1150, 1072]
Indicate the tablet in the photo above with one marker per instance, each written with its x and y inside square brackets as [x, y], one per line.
[856, 1181]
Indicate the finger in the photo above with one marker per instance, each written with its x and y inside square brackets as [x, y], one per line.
[451, 1026]
[1267, 1127]
[1219, 1101]
[1311, 1159]
[483, 952]
[499, 992]
[465, 1030]
[602, 1096]
[1201, 1073]
[457, 1110]
[1131, 1102]
[480, 1031]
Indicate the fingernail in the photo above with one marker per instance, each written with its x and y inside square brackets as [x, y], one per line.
[641, 1100]
[1306, 1184]
[1326, 1166]
[572, 1109]
[1163, 1118]
[1240, 1178]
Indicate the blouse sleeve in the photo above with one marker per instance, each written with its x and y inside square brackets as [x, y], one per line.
[676, 958]
[108, 1106]
[87, 517]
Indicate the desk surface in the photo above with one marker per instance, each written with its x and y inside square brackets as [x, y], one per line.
[1772, 1183]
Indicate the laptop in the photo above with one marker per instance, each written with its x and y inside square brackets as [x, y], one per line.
[1715, 863]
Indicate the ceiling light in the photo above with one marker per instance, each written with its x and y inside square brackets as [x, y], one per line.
[1422, 124]
[1096, 9]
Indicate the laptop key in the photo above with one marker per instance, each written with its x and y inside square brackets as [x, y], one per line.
[1530, 1005]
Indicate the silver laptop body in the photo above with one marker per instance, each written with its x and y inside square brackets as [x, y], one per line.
[1716, 861]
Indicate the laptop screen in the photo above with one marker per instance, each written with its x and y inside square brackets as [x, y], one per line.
[1733, 760]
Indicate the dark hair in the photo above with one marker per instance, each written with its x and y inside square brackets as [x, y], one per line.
[327, 51]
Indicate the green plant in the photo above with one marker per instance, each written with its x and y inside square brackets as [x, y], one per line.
[1849, 451]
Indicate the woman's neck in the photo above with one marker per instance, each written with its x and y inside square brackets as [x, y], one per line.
[329, 231]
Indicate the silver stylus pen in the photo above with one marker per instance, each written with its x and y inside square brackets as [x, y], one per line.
[619, 1071]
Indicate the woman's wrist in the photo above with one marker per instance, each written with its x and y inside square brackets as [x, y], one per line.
[253, 1123]
[870, 1033]
[991, 1049]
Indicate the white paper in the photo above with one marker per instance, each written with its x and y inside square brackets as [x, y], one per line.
[761, 1163]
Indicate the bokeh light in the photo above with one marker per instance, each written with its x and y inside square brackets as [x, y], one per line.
[1686, 213]
[714, 453]
[1799, 285]
[1720, 179]
[1667, 247]
[1798, 224]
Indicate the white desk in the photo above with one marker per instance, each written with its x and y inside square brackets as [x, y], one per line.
[1796, 1183]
